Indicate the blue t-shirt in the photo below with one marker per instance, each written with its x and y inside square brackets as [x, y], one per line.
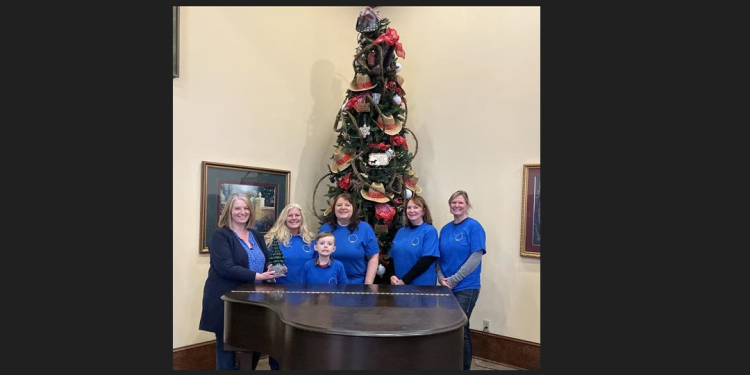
[411, 244]
[457, 242]
[332, 273]
[295, 256]
[353, 249]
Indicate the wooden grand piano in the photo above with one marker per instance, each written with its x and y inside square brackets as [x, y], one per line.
[346, 327]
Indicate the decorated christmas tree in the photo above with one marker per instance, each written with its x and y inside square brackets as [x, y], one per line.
[371, 158]
[276, 259]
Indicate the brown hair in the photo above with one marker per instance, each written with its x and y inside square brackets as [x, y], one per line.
[325, 234]
[419, 201]
[331, 218]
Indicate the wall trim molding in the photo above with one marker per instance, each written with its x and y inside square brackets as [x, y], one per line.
[200, 356]
[508, 351]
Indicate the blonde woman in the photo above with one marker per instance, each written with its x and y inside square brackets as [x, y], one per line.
[462, 244]
[238, 256]
[295, 241]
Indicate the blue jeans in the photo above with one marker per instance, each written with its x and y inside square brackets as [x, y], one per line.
[225, 359]
[273, 363]
[467, 298]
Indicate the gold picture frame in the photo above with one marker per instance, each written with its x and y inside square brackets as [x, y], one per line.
[268, 190]
[531, 211]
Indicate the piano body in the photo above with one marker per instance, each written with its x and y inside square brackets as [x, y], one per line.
[346, 327]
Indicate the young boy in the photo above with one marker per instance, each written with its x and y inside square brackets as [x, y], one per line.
[324, 269]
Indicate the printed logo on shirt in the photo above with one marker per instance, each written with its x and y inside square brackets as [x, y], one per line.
[415, 241]
[460, 236]
[306, 248]
[353, 238]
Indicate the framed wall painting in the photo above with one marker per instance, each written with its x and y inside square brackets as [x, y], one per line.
[176, 42]
[268, 190]
[531, 211]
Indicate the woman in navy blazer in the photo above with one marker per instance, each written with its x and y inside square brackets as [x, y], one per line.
[236, 258]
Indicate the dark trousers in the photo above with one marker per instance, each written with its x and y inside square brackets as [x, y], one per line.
[467, 298]
[226, 359]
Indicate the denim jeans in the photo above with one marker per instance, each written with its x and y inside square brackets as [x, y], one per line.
[273, 363]
[225, 359]
[467, 298]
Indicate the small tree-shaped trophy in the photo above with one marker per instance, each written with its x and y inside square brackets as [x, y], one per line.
[277, 259]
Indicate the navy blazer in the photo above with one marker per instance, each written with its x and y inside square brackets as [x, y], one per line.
[228, 270]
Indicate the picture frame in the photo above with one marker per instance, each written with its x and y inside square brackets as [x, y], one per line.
[267, 188]
[531, 210]
[176, 40]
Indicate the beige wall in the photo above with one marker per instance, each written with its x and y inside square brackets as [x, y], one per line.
[260, 86]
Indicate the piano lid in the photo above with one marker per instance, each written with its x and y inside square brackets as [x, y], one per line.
[357, 309]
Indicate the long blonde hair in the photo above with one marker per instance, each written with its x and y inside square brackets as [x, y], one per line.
[281, 231]
[226, 212]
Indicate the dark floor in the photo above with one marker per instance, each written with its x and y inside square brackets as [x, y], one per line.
[477, 364]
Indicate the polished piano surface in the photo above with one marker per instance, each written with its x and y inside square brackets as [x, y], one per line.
[346, 327]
